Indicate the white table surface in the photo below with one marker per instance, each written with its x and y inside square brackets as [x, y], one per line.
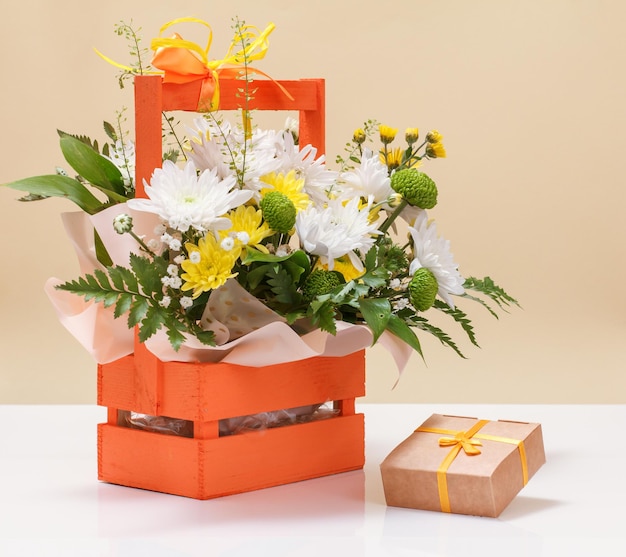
[51, 503]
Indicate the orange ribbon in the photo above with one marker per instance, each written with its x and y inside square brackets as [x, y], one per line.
[467, 441]
[184, 61]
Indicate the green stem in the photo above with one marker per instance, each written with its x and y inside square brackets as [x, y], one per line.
[173, 132]
[142, 244]
[391, 218]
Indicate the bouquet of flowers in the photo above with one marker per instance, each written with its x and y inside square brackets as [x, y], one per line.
[241, 228]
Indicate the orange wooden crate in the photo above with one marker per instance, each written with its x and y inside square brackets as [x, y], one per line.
[207, 465]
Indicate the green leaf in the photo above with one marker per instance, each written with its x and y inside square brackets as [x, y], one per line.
[110, 131]
[283, 287]
[322, 315]
[126, 276]
[425, 325]
[151, 323]
[205, 337]
[399, 327]
[376, 312]
[137, 312]
[92, 166]
[123, 305]
[53, 185]
[257, 275]
[103, 279]
[148, 272]
[489, 288]
[101, 251]
[460, 317]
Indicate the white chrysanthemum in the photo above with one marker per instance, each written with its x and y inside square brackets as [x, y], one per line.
[317, 180]
[336, 230]
[206, 145]
[122, 155]
[369, 179]
[433, 253]
[185, 200]
[227, 150]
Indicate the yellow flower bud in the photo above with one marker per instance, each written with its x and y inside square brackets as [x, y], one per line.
[411, 135]
[387, 134]
[359, 136]
[433, 136]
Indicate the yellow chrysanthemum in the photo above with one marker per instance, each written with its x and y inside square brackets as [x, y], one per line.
[387, 134]
[435, 150]
[289, 185]
[345, 267]
[392, 159]
[208, 266]
[248, 228]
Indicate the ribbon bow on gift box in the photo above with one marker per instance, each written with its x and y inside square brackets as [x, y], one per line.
[467, 441]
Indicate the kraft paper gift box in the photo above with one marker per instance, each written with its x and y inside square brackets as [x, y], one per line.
[463, 465]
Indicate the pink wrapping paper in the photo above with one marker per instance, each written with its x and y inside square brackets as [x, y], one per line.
[272, 342]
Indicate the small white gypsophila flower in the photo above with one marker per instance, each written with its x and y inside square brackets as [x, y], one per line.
[395, 284]
[400, 304]
[227, 243]
[243, 237]
[282, 251]
[160, 229]
[175, 244]
[172, 282]
[179, 259]
[186, 302]
[195, 257]
[172, 270]
[165, 301]
[153, 244]
[166, 238]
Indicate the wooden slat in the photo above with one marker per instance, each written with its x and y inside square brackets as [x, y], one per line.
[204, 469]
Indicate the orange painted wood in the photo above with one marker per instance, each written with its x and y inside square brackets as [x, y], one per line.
[208, 465]
[148, 134]
[197, 392]
[152, 97]
[205, 469]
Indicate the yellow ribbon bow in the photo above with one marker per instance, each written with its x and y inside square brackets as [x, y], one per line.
[461, 438]
[184, 61]
[181, 61]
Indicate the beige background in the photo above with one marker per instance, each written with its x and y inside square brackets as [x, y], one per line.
[530, 97]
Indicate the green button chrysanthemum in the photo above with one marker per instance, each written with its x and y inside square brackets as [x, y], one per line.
[279, 212]
[416, 187]
[320, 282]
[423, 289]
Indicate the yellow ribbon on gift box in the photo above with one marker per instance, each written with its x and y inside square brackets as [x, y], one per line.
[182, 61]
[467, 441]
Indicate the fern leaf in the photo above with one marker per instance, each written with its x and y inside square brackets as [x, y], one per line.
[151, 323]
[489, 288]
[423, 324]
[137, 311]
[460, 317]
